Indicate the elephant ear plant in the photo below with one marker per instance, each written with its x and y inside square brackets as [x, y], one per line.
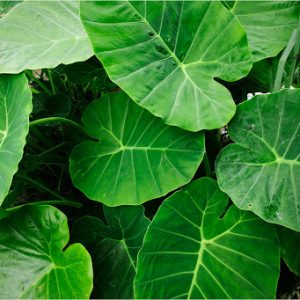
[136, 160]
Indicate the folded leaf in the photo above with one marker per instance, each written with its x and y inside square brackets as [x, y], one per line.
[33, 262]
[166, 54]
[261, 172]
[113, 248]
[42, 34]
[191, 251]
[15, 107]
[136, 158]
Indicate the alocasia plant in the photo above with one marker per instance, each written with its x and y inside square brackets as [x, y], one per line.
[143, 102]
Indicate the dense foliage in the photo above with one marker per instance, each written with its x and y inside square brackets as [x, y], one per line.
[135, 161]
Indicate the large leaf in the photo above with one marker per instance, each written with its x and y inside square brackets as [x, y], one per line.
[191, 251]
[42, 34]
[15, 107]
[166, 54]
[268, 24]
[138, 157]
[33, 263]
[290, 241]
[113, 248]
[261, 172]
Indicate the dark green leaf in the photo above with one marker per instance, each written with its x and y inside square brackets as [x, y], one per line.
[137, 158]
[113, 248]
[191, 251]
[33, 262]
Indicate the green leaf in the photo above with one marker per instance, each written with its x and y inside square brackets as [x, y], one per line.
[113, 248]
[290, 241]
[191, 251]
[33, 262]
[42, 34]
[137, 157]
[268, 24]
[15, 107]
[166, 55]
[261, 172]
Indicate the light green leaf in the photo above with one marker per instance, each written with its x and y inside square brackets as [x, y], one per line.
[137, 157]
[113, 248]
[268, 24]
[166, 55]
[33, 262]
[290, 241]
[15, 107]
[42, 34]
[261, 172]
[191, 251]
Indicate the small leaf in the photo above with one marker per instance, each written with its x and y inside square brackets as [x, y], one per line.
[33, 262]
[42, 34]
[290, 241]
[191, 251]
[15, 107]
[166, 55]
[137, 157]
[113, 248]
[268, 24]
[261, 172]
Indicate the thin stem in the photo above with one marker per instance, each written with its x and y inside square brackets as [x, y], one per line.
[52, 82]
[49, 202]
[39, 82]
[42, 187]
[207, 166]
[57, 120]
[52, 149]
[282, 61]
[294, 58]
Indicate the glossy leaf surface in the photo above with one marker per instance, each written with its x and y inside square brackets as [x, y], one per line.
[42, 34]
[166, 54]
[268, 24]
[290, 241]
[15, 107]
[33, 262]
[261, 172]
[137, 158]
[113, 248]
[193, 250]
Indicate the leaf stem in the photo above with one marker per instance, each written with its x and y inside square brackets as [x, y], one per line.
[42, 187]
[294, 57]
[282, 61]
[49, 202]
[52, 82]
[44, 121]
[39, 82]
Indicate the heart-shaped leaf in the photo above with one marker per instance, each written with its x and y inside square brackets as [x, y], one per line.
[261, 172]
[42, 34]
[113, 248]
[191, 251]
[33, 263]
[137, 158]
[268, 24]
[15, 107]
[166, 54]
